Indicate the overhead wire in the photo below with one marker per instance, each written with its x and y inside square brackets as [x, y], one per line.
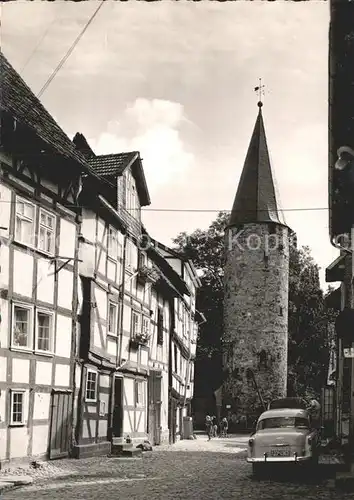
[201, 210]
[30, 57]
[69, 52]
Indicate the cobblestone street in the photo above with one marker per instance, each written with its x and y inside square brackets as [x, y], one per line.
[187, 470]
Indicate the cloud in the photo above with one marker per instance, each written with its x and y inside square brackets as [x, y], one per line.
[152, 127]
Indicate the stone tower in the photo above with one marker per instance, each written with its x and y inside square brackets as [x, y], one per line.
[256, 277]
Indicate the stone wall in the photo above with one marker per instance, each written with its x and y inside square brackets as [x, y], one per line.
[255, 314]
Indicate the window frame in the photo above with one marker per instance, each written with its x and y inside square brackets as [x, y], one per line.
[160, 326]
[51, 332]
[139, 324]
[30, 309]
[89, 371]
[20, 199]
[115, 305]
[139, 401]
[50, 214]
[112, 229]
[145, 321]
[12, 394]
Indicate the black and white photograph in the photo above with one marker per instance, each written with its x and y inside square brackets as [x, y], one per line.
[176, 241]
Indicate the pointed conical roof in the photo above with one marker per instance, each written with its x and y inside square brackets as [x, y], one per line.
[256, 199]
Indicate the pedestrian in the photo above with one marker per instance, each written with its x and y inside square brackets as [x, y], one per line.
[215, 426]
[209, 427]
[224, 427]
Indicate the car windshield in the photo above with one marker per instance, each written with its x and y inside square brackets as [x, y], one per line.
[281, 422]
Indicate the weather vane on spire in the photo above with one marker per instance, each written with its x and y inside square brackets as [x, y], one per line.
[260, 90]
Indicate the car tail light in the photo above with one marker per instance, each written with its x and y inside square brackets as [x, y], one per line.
[309, 440]
[251, 442]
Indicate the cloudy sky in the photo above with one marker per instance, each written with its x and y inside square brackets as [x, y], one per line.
[175, 81]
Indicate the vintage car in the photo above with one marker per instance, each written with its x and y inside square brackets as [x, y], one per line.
[283, 435]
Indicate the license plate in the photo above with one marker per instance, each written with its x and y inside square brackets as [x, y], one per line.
[280, 452]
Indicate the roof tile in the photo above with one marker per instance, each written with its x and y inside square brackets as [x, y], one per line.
[18, 99]
[112, 164]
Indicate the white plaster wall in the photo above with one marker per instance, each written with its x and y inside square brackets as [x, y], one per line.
[4, 324]
[134, 255]
[125, 346]
[78, 375]
[127, 426]
[101, 261]
[3, 368]
[105, 381]
[45, 281]
[140, 420]
[62, 375]
[5, 209]
[101, 232]
[63, 336]
[88, 226]
[101, 302]
[119, 273]
[40, 439]
[144, 357]
[126, 318]
[67, 239]
[23, 281]
[20, 370]
[4, 259]
[102, 428]
[128, 384]
[41, 406]
[139, 291]
[18, 441]
[112, 346]
[97, 341]
[133, 355]
[111, 270]
[65, 289]
[3, 397]
[3, 437]
[87, 257]
[91, 424]
[44, 373]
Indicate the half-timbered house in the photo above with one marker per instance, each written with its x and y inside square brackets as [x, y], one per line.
[168, 287]
[116, 304]
[183, 341]
[40, 172]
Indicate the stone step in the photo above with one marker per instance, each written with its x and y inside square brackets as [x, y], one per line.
[121, 447]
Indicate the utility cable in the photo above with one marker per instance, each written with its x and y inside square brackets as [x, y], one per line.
[67, 55]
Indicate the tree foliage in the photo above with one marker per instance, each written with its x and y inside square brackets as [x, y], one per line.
[309, 340]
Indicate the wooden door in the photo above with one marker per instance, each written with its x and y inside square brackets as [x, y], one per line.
[117, 423]
[154, 418]
[60, 424]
